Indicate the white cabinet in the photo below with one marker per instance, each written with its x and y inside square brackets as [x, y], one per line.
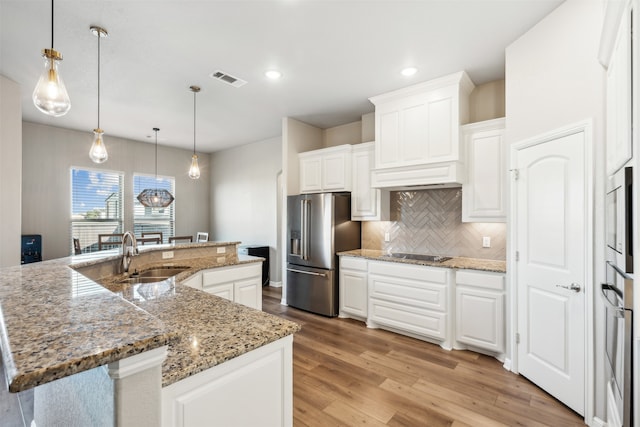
[353, 287]
[254, 389]
[194, 281]
[483, 193]
[417, 132]
[325, 170]
[239, 283]
[367, 203]
[410, 299]
[619, 98]
[480, 318]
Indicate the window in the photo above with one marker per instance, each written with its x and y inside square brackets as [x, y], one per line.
[149, 220]
[96, 206]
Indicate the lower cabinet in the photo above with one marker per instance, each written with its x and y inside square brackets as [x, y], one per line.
[254, 389]
[237, 283]
[480, 301]
[353, 288]
[413, 299]
[461, 308]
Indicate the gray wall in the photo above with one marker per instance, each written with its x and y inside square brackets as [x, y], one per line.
[10, 171]
[49, 153]
[244, 196]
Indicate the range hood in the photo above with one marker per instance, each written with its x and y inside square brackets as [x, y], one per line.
[419, 177]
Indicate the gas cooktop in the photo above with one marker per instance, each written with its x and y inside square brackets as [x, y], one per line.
[420, 257]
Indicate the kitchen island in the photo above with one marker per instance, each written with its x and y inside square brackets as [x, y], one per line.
[63, 321]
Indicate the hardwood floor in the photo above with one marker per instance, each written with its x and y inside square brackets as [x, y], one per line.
[347, 375]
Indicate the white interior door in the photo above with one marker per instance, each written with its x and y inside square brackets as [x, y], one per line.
[551, 237]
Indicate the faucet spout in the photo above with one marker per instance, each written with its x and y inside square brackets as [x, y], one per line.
[128, 251]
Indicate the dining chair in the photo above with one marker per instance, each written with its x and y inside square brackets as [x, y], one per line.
[157, 234]
[77, 250]
[175, 239]
[109, 240]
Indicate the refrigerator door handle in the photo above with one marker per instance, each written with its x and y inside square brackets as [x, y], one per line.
[311, 273]
[305, 228]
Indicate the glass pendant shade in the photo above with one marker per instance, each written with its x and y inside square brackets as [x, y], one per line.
[98, 152]
[50, 95]
[194, 170]
[155, 198]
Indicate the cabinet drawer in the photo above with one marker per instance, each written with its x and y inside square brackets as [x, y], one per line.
[407, 271]
[414, 293]
[352, 263]
[216, 276]
[410, 319]
[479, 279]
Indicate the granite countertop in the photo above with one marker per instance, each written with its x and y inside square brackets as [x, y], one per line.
[455, 262]
[55, 322]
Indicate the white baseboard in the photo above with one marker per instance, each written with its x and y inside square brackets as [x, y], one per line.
[275, 284]
[597, 422]
[507, 364]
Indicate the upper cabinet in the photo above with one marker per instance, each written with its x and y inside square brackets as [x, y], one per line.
[367, 203]
[483, 193]
[616, 55]
[417, 133]
[325, 170]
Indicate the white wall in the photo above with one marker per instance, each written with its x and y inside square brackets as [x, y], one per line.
[49, 153]
[553, 79]
[244, 196]
[10, 172]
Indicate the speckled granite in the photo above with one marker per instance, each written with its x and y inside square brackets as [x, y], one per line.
[55, 322]
[454, 262]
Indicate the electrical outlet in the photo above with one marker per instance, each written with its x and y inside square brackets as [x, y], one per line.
[222, 249]
[167, 255]
[386, 236]
[486, 242]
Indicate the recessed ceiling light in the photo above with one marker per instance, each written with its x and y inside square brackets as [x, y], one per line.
[273, 74]
[409, 71]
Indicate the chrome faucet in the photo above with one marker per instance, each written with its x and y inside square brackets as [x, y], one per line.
[128, 251]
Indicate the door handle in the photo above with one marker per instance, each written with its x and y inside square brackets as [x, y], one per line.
[572, 287]
[311, 273]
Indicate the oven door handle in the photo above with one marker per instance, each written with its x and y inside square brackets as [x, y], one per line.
[605, 287]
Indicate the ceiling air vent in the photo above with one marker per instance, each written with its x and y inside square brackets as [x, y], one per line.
[227, 78]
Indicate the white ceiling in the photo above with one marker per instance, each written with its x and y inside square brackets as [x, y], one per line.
[333, 54]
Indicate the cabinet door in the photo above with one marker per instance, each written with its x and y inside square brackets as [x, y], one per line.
[483, 195]
[619, 99]
[387, 137]
[311, 174]
[335, 172]
[249, 292]
[367, 203]
[353, 293]
[480, 318]
[224, 290]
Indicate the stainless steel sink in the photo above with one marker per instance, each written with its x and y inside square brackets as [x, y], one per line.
[420, 257]
[160, 272]
[153, 275]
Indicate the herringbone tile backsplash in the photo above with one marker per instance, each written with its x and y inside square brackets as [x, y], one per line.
[430, 222]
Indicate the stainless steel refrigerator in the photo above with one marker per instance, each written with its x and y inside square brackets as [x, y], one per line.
[318, 226]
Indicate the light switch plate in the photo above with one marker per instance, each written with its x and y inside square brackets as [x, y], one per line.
[222, 249]
[386, 236]
[486, 242]
[167, 255]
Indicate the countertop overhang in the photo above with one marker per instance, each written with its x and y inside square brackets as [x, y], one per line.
[56, 322]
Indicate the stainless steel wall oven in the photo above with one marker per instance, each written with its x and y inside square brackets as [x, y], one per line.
[618, 298]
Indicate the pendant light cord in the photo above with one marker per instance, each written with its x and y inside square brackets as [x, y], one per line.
[156, 130]
[99, 36]
[194, 123]
[51, 24]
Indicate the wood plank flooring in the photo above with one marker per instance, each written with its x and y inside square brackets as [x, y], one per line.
[347, 375]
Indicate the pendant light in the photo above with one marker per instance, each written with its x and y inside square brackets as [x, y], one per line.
[98, 152]
[155, 197]
[50, 95]
[194, 170]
